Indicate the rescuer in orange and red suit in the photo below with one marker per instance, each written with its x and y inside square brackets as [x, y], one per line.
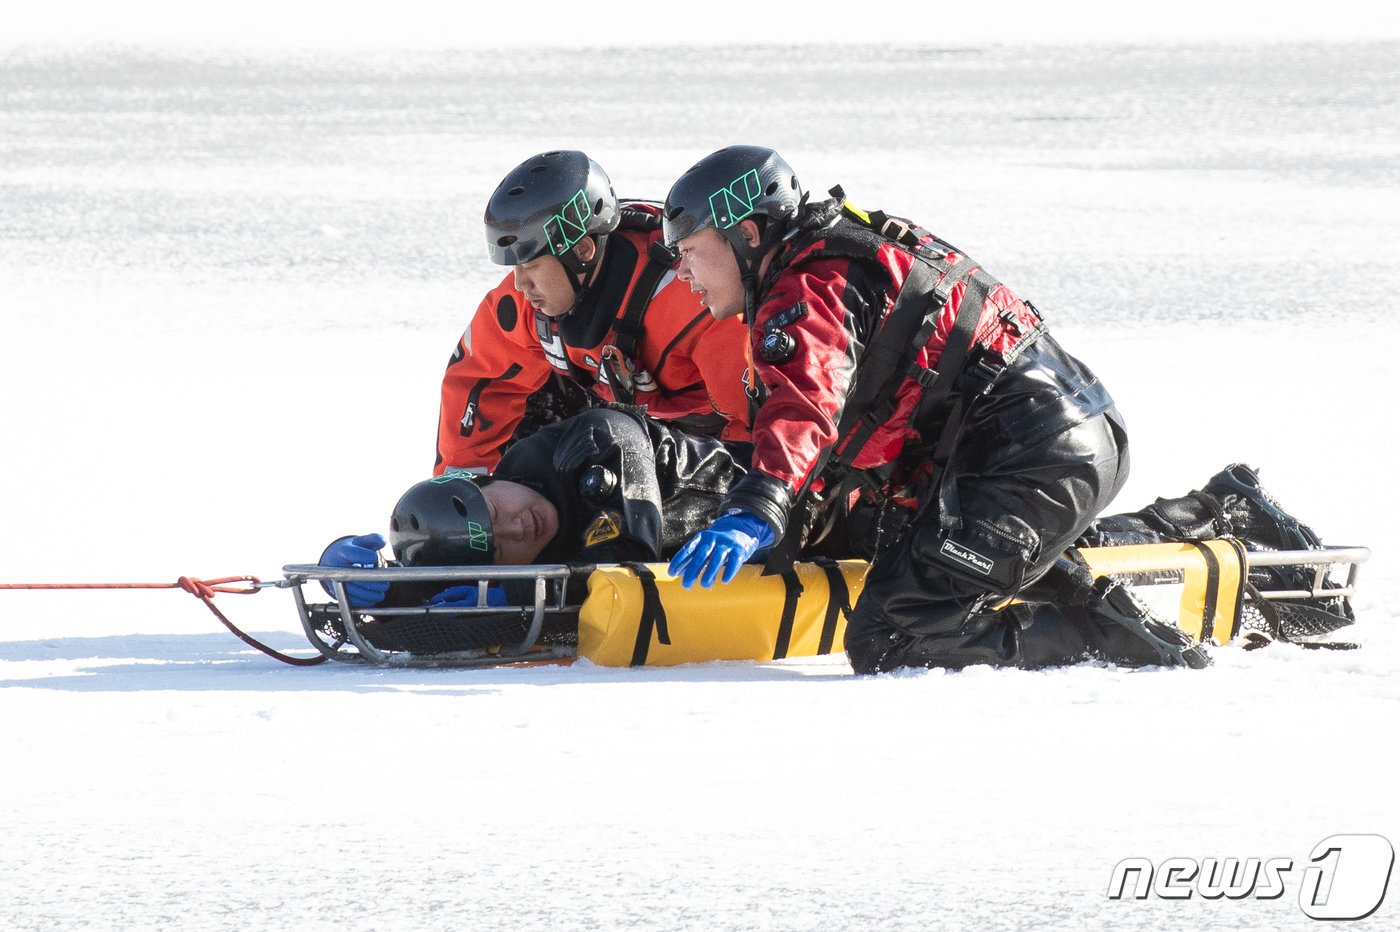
[591, 313]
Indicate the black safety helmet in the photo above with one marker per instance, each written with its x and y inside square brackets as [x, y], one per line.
[547, 204]
[443, 521]
[730, 185]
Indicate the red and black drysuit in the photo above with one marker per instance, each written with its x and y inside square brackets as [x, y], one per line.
[977, 510]
[516, 369]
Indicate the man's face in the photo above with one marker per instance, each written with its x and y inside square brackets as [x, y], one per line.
[522, 521]
[709, 266]
[546, 284]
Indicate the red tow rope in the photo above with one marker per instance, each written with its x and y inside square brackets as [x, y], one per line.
[204, 590]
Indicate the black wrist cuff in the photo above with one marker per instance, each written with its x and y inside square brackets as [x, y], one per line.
[760, 494]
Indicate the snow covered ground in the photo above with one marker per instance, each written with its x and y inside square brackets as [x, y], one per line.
[229, 283]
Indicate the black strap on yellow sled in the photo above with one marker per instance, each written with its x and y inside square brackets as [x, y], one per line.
[1212, 595]
[838, 602]
[792, 592]
[653, 618]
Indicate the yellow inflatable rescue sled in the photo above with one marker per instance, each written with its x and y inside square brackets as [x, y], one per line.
[637, 614]
[641, 615]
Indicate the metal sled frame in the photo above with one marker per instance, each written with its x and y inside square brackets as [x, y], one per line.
[550, 594]
[1320, 561]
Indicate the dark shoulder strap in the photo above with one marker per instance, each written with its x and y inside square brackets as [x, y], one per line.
[906, 328]
[627, 328]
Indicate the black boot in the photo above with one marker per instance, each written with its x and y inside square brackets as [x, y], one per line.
[1193, 516]
[1260, 523]
[1256, 517]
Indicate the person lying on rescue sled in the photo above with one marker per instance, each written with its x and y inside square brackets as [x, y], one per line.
[591, 312]
[619, 464]
[608, 485]
[889, 366]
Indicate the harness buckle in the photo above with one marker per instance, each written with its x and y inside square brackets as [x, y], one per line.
[985, 369]
[878, 414]
[658, 251]
[1008, 319]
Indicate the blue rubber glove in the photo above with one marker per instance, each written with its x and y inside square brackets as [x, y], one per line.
[725, 545]
[356, 551]
[465, 596]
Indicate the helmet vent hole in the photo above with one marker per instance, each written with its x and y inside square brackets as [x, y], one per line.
[772, 186]
[674, 212]
[516, 191]
[794, 182]
[598, 207]
[413, 523]
[536, 169]
[507, 240]
[394, 524]
[460, 505]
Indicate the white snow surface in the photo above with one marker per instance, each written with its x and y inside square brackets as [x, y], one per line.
[228, 287]
[425, 24]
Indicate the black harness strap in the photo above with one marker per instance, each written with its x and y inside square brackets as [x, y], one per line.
[886, 363]
[904, 333]
[627, 327]
[793, 591]
[653, 618]
[906, 329]
[954, 362]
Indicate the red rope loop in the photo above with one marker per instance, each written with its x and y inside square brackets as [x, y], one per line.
[205, 589]
[202, 589]
[196, 587]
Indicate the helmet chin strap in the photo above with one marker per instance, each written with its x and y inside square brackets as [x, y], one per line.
[750, 259]
[751, 302]
[580, 272]
[748, 277]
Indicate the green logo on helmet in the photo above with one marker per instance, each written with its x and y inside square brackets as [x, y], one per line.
[478, 538]
[730, 205]
[570, 225]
